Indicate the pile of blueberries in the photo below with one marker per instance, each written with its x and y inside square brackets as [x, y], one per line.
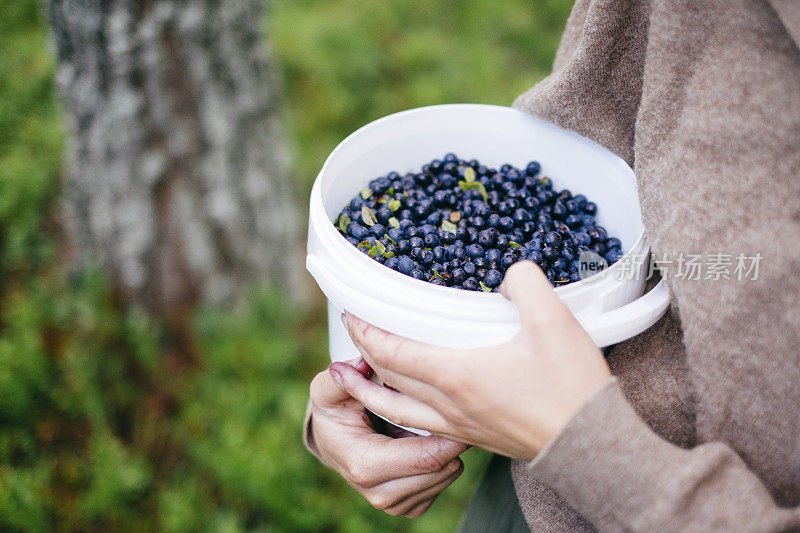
[461, 224]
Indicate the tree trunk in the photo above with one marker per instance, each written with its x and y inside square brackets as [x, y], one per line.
[177, 164]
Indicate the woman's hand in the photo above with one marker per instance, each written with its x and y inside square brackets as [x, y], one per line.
[510, 399]
[401, 476]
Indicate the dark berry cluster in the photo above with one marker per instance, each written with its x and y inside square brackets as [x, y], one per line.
[460, 224]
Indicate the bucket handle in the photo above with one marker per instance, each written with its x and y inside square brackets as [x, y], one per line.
[605, 329]
[625, 322]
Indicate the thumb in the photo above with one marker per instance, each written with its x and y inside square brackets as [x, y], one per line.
[531, 292]
[326, 392]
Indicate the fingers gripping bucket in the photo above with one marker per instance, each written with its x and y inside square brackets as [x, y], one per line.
[610, 305]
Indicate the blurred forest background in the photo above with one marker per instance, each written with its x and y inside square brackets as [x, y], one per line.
[104, 425]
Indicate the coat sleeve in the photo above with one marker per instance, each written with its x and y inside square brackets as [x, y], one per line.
[616, 472]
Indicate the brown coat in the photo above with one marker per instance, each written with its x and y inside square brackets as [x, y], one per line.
[700, 429]
[702, 98]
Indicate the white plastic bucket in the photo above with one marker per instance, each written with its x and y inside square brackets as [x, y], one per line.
[610, 306]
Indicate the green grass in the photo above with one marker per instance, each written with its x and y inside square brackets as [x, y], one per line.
[348, 62]
[103, 425]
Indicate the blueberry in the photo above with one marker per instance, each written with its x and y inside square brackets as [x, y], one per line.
[536, 257]
[515, 176]
[573, 221]
[545, 196]
[581, 239]
[533, 168]
[440, 198]
[493, 278]
[528, 229]
[613, 255]
[497, 180]
[502, 242]
[550, 253]
[470, 284]
[552, 239]
[487, 237]
[507, 260]
[572, 206]
[544, 219]
[597, 234]
[505, 224]
[405, 265]
[534, 245]
[480, 262]
[551, 226]
[378, 186]
[474, 251]
[560, 211]
[458, 276]
[531, 203]
[493, 254]
[521, 216]
[560, 264]
[357, 231]
[446, 237]
[431, 240]
[383, 215]
[448, 181]
[480, 209]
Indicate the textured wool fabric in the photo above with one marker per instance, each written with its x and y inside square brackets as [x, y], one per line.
[701, 428]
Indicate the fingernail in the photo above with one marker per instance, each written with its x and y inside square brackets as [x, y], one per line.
[363, 367]
[337, 377]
